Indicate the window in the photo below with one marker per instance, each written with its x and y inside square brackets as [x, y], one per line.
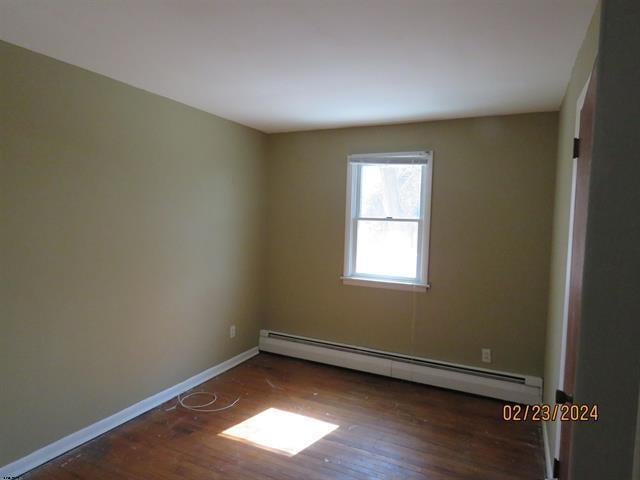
[387, 224]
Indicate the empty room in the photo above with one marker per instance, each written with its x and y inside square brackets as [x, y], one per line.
[319, 239]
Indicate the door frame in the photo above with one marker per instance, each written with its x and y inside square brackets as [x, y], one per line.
[567, 279]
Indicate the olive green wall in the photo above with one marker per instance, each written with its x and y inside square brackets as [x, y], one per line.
[566, 131]
[130, 241]
[490, 241]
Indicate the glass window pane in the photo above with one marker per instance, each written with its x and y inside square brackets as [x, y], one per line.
[387, 248]
[390, 191]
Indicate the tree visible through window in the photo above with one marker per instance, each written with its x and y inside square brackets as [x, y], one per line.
[387, 217]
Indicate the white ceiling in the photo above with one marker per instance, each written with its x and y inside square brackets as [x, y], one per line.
[281, 65]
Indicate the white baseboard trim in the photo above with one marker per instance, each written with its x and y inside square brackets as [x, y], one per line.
[489, 383]
[57, 448]
[548, 458]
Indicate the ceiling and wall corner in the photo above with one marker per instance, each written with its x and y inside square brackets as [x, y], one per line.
[285, 65]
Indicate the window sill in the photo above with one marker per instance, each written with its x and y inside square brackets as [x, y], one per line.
[388, 284]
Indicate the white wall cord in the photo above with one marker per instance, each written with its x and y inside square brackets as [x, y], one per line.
[202, 407]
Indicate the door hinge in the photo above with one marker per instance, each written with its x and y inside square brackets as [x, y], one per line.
[576, 147]
[562, 397]
[556, 468]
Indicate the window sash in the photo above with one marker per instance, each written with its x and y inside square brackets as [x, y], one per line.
[357, 188]
[354, 253]
[357, 192]
[354, 185]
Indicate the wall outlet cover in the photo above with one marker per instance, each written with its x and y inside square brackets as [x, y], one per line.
[486, 355]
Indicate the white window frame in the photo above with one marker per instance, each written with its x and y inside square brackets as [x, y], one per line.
[354, 164]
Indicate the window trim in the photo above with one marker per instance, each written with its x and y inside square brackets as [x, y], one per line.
[349, 277]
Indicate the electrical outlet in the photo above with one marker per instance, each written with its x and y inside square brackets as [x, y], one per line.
[486, 355]
[232, 331]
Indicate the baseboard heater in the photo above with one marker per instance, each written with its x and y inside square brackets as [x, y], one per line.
[489, 383]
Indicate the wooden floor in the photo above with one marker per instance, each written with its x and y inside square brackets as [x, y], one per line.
[389, 429]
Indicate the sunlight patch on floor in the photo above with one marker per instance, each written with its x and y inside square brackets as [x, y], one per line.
[280, 431]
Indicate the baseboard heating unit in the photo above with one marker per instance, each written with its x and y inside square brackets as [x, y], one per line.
[489, 383]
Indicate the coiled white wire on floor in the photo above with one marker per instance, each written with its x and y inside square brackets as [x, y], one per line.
[202, 407]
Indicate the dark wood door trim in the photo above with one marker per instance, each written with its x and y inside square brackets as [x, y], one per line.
[583, 176]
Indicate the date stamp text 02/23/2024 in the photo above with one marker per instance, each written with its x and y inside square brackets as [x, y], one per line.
[550, 412]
